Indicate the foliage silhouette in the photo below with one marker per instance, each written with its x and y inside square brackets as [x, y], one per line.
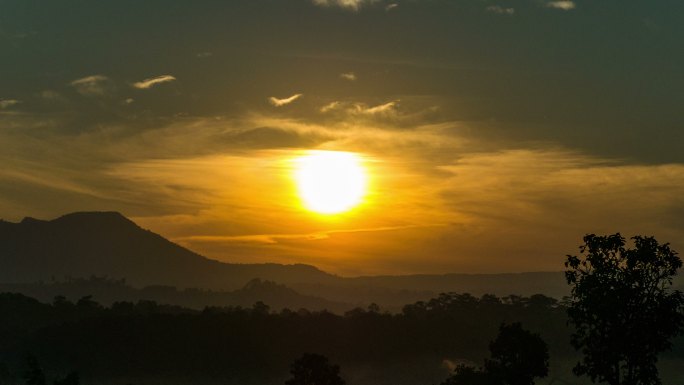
[314, 369]
[4, 374]
[623, 308]
[467, 375]
[517, 357]
[70, 379]
[34, 373]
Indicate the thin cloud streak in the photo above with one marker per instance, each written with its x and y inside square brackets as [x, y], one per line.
[93, 85]
[276, 238]
[564, 5]
[7, 103]
[151, 82]
[500, 10]
[361, 108]
[285, 101]
[353, 5]
[348, 76]
[379, 109]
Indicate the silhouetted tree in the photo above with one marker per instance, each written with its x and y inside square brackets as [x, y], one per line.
[87, 303]
[517, 356]
[623, 308]
[467, 375]
[373, 308]
[314, 369]
[260, 308]
[4, 374]
[70, 379]
[34, 373]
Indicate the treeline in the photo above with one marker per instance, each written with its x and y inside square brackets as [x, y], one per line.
[108, 291]
[249, 345]
[129, 342]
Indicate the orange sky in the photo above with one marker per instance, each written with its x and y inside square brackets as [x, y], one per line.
[495, 136]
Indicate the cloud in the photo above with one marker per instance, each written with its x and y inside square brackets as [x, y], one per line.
[353, 5]
[361, 109]
[500, 10]
[330, 106]
[564, 5]
[7, 103]
[376, 110]
[50, 95]
[491, 194]
[390, 7]
[348, 76]
[93, 85]
[277, 238]
[285, 101]
[151, 82]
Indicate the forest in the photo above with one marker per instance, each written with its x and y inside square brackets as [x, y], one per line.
[138, 342]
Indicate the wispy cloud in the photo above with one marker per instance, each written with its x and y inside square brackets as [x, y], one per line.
[379, 109]
[50, 95]
[7, 103]
[361, 108]
[564, 5]
[285, 101]
[500, 10]
[330, 106]
[353, 5]
[93, 85]
[277, 238]
[390, 7]
[151, 82]
[348, 76]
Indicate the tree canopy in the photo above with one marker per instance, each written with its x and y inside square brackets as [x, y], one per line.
[623, 308]
[517, 357]
[314, 369]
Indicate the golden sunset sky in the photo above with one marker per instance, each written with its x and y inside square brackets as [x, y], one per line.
[494, 134]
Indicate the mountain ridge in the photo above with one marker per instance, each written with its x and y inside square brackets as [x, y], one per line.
[84, 244]
[109, 244]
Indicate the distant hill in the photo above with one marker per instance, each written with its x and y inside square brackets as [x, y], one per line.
[107, 291]
[108, 244]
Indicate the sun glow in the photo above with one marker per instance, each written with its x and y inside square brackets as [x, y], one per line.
[330, 182]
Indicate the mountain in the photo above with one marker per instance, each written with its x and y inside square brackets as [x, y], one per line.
[107, 244]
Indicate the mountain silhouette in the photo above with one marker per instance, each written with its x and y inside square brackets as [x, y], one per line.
[108, 244]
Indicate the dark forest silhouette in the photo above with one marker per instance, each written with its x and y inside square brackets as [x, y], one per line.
[249, 345]
[256, 344]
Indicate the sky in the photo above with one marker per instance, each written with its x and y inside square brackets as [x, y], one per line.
[495, 133]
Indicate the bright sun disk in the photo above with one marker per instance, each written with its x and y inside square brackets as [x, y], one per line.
[330, 182]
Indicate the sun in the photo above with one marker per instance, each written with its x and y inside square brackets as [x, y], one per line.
[330, 182]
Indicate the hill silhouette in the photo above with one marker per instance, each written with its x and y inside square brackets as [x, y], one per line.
[108, 291]
[107, 244]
